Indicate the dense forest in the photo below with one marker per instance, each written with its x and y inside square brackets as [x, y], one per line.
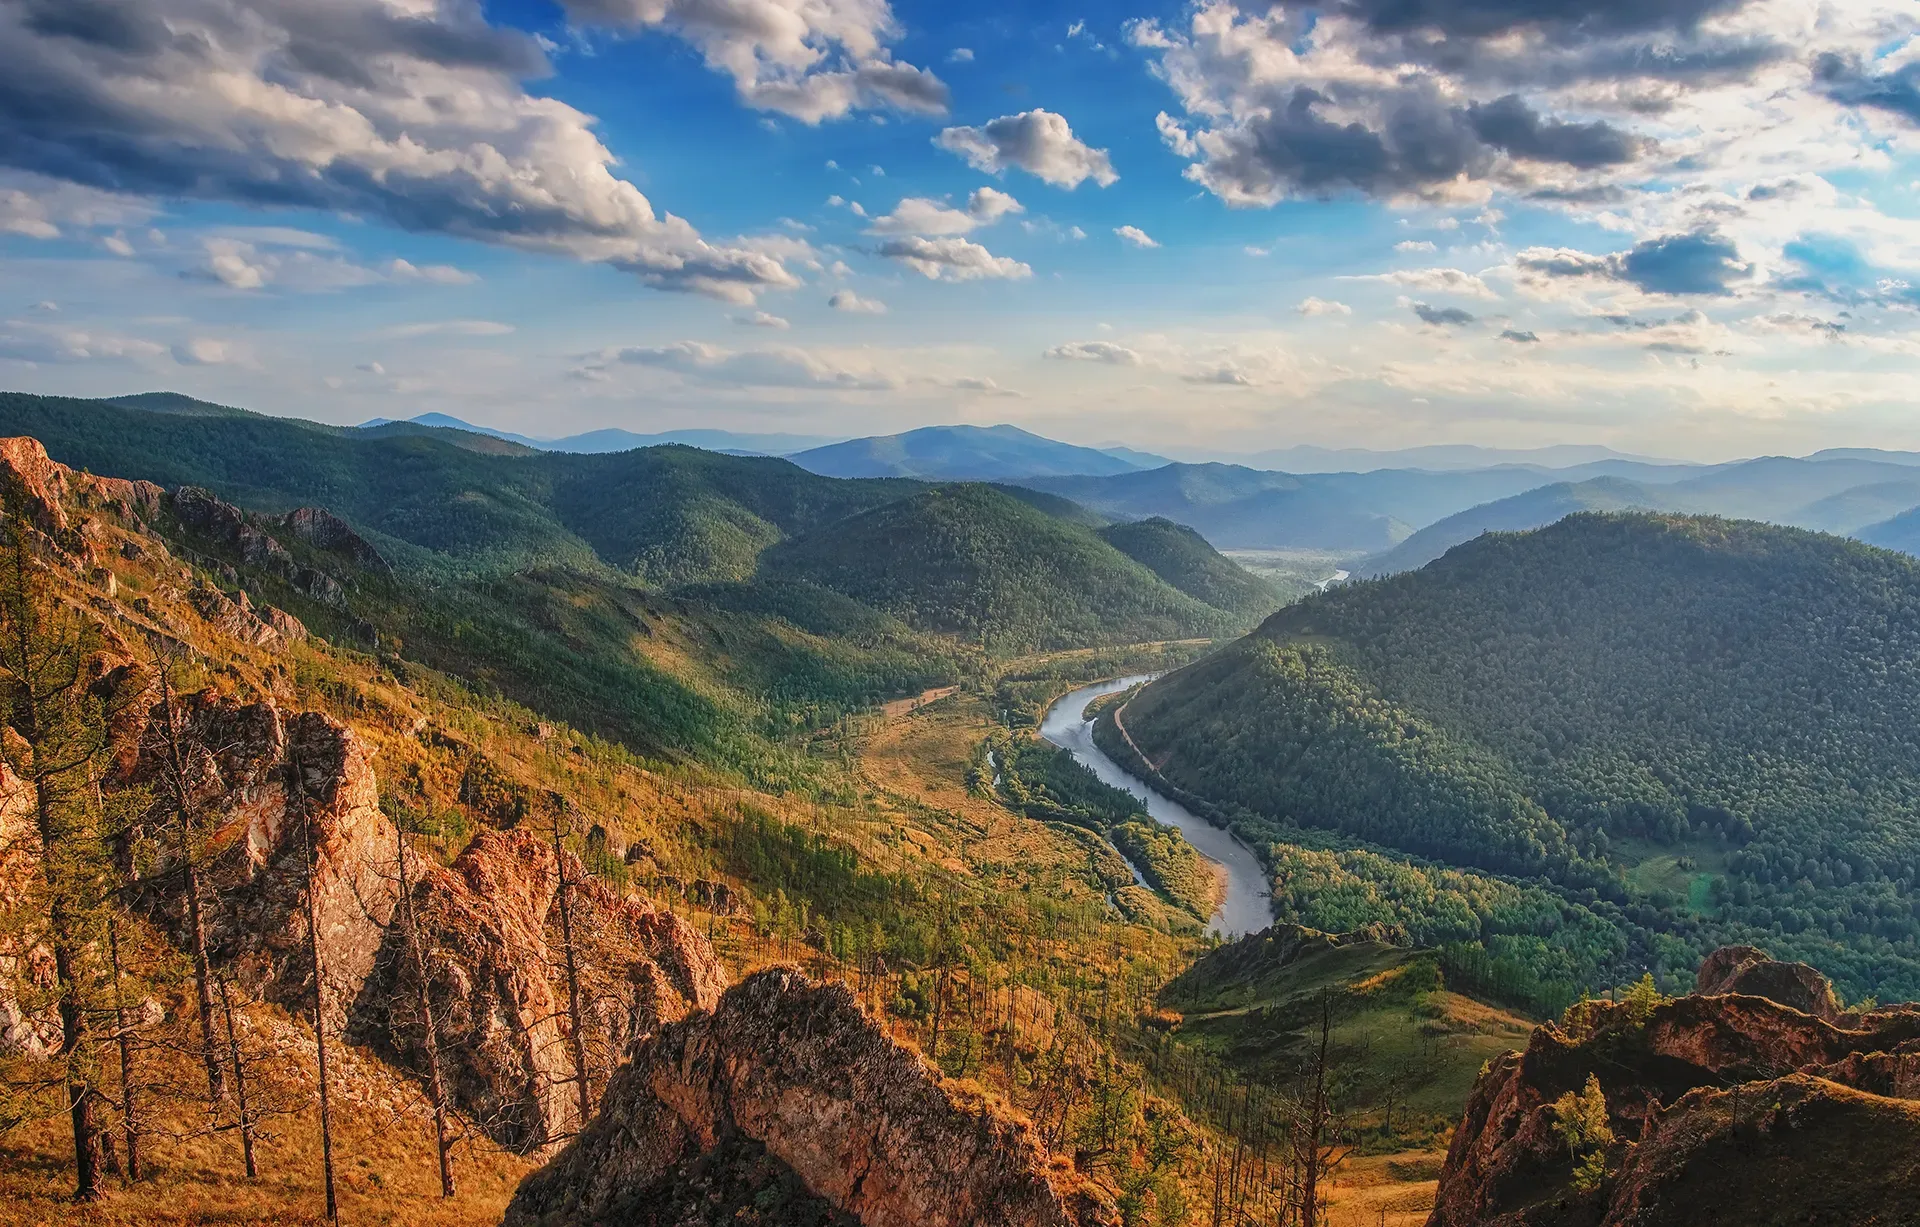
[974, 561]
[1657, 733]
[1183, 559]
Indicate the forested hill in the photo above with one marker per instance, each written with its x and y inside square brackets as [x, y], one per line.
[1183, 558]
[1710, 727]
[975, 561]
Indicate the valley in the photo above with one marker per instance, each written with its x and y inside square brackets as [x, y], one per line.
[1170, 870]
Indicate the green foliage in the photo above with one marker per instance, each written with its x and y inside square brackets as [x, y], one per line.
[1183, 559]
[1556, 707]
[1045, 782]
[973, 561]
[1580, 1118]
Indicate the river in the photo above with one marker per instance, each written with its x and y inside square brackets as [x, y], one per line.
[1246, 908]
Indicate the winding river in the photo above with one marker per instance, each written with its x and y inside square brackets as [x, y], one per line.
[1246, 908]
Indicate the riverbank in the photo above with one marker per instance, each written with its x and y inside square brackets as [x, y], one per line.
[1244, 905]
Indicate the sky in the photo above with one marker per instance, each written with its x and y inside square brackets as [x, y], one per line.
[1686, 228]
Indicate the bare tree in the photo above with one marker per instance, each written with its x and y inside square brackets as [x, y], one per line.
[298, 779]
[239, 1082]
[423, 1000]
[177, 792]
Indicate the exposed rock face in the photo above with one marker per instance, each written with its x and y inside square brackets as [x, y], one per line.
[28, 1024]
[1703, 1093]
[202, 513]
[260, 770]
[60, 502]
[494, 963]
[323, 530]
[800, 1072]
[1743, 969]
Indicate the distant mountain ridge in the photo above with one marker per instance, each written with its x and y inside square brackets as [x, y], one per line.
[966, 453]
[615, 440]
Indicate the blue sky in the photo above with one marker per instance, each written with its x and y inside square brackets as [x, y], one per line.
[1685, 227]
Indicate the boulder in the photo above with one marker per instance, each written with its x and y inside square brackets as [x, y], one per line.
[796, 1073]
[1509, 1166]
[494, 964]
[1744, 969]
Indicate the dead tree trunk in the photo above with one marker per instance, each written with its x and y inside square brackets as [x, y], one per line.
[123, 1031]
[430, 1040]
[319, 987]
[180, 785]
[577, 1038]
[239, 1083]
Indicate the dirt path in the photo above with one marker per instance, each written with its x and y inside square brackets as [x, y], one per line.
[900, 707]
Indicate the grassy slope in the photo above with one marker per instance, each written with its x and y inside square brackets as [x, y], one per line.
[1736, 694]
[1402, 1044]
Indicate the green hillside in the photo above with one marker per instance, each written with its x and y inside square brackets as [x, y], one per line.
[1183, 558]
[973, 561]
[1685, 731]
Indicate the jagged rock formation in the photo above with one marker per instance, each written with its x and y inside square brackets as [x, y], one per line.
[261, 771]
[494, 966]
[59, 501]
[793, 1073]
[1727, 1107]
[324, 530]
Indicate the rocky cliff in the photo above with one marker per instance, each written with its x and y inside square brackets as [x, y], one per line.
[494, 964]
[790, 1086]
[1755, 1100]
[254, 773]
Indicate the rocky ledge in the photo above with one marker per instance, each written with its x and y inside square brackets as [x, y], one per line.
[789, 1086]
[1755, 1100]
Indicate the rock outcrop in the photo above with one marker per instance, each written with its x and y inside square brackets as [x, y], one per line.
[796, 1077]
[1726, 1107]
[494, 963]
[57, 499]
[222, 524]
[324, 530]
[258, 772]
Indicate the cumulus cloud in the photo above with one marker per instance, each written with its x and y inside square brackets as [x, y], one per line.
[36, 344]
[783, 367]
[1433, 281]
[1413, 245]
[919, 215]
[203, 351]
[412, 115]
[448, 328]
[960, 55]
[1095, 351]
[952, 259]
[760, 319]
[1135, 235]
[811, 60]
[296, 260]
[1038, 142]
[1454, 100]
[1323, 306]
[1702, 262]
[854, 304]
[1519, 337]
[1444, 317]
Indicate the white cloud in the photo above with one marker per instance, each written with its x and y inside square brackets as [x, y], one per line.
[449, 328]
[203, 351]
[412, 114]
[37, 343]
[1323, 306]
[1433, 281]
[783, 367]
[1413, 245]
[760, 319]
[117, 244]
[437, 274]
[952, 259]
[811, 60]
[1038, 142]
[1135, 235]
[960, 55]
[1095, 351]
[919, 215]
[854, 304]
